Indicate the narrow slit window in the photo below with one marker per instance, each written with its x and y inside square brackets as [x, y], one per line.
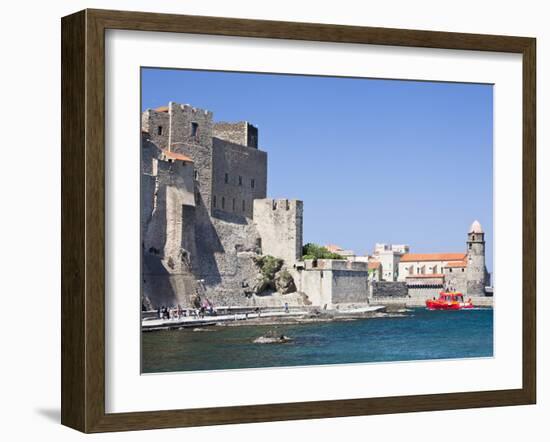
[226, 179]
[252, 183]
[159, 130]
[223, 202]
[194, 129]
[244, 206]
[240, 180]
[214, 201]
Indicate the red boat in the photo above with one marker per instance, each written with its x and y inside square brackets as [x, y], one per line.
[449, 301]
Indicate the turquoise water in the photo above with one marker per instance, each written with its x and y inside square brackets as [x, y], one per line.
[422, 334]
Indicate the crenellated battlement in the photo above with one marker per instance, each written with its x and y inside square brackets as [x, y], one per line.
[281, 204]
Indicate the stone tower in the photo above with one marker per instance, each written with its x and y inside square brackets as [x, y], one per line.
[475, 269]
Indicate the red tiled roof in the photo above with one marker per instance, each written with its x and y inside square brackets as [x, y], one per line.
[457, 263]
[374, 265]
[333, 248]
[412, 257]
[433, 275]
[161, 109]
[177, 156]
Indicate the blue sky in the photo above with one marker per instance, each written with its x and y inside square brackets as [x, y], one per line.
[373, 160]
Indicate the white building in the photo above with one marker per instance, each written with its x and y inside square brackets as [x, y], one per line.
[389, 255]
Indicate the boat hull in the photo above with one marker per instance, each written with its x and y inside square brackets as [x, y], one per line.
[449, 301]
[436, 305]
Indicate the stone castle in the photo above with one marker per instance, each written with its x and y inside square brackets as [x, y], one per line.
[206, 219]
[204, 211]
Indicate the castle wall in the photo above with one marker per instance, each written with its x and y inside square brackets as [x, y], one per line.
[328, 282]
[242, 133]
[157, 125]
[147, 181]
[389, 289]
[317, 285]
[197, 146]
[279, 224]
[239, 175]
[226, 251]
[168, 237]
[349, 286]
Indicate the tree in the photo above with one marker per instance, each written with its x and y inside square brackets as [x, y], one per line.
[315, 251]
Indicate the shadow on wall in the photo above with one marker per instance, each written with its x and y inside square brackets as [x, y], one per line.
[229, 217]
[207, 244]
[155, 283]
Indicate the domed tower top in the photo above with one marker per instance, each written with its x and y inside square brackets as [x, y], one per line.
[475, 227]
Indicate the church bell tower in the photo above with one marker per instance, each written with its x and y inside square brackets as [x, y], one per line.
[476, 272]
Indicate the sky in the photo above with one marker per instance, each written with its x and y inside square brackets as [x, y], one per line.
[374, 161]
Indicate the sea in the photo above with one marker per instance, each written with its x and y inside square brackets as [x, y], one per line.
[418, 335]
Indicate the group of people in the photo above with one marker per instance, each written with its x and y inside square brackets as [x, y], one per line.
[178, 312]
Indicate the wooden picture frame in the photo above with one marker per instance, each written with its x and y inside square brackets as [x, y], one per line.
[83, 220]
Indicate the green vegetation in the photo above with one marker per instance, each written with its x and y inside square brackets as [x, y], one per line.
[269, 266]
[315, 251]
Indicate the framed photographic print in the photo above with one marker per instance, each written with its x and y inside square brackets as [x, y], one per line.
[267, 221]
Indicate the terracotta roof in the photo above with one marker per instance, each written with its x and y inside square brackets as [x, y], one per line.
[333, 248]
[457, 263]
[374, 265]
[161, 109]
[412, 257]
[176, 156]
[432, 275]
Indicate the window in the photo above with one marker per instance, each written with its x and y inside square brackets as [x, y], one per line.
[159, 130]
[244, 206]
[233, 204]
[240, 180]
[252, 183]
[214, 201]
[226, 179]
[223, 202]
[194, 129]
